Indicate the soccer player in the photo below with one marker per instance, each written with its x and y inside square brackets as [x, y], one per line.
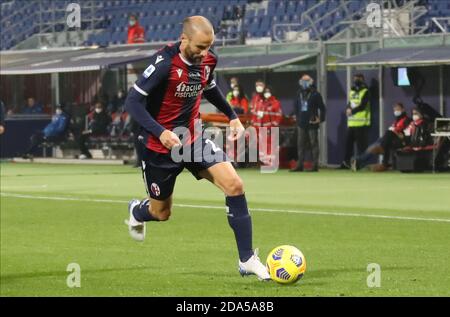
[166, 96]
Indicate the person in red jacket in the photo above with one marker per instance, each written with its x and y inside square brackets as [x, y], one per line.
[417, 134]
[238, 100]
[391, 140]
[257, 97]
[266, 114]
[136, 33]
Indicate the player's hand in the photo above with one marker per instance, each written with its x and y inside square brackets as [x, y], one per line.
[169, 139]
[2, 129]
[237, 130]
[349, 112]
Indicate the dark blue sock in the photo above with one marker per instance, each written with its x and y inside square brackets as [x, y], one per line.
[241, 223]
[141, 213]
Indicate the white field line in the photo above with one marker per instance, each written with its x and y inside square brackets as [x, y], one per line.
[291, 211]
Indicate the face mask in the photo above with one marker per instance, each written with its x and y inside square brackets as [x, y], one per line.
[98, 110]
[58, 112]
[119, 95]
[416, 117]
[305, 84]
[132, 23]
[267, 95]
[235, 93]
[398, 113]
[259, 89]
[232, 85]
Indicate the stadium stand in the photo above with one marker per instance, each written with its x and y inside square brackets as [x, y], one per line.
[105, 22]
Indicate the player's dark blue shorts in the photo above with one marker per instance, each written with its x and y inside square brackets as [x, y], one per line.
[160, 170]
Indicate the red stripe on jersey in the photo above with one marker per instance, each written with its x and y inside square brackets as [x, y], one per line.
[170, 105]
[182, 94]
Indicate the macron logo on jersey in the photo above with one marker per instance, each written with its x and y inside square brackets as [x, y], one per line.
[149, 71]
[179, 72]
[159, 58]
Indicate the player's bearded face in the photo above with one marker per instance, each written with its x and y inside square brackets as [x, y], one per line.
[197, 48]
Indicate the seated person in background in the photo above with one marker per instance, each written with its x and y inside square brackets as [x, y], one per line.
[391, 140]
[2, 117]
[32, 107]
[118, 102]
[238, 100]
[99, 122]
[418, 133]
[55, 131]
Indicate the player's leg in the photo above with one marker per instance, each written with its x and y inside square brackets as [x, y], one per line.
[225, 177]
[159, 184]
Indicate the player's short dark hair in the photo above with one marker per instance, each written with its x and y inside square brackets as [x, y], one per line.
[399, 104]
[359, 75]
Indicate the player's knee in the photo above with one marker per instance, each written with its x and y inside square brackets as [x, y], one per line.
[234, 187]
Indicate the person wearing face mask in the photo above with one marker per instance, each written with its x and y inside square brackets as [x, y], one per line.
[417, 134]
[238, 100]
[234, 81]
[257, 97]
[267, 114]
[136, 33]
[393, 139]
[310, 111]
[416, 154]
[98, 125]
[358, 114]
[55, 131]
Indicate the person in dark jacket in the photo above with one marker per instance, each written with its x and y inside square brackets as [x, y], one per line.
[118, 102]
[391, 140]
[98, 126]
[358, 114]
[55, 131]
[32, 107]
[2, 117]
[310, 111]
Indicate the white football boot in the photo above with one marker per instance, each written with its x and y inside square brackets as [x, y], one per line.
[135, 228]
[254, 266]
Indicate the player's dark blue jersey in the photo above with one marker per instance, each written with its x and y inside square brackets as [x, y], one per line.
[173, 88]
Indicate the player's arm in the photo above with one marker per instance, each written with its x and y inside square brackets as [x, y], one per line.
[136, 101]
[213, 94]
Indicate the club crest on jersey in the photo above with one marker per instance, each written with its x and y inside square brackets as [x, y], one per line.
[188, 90]
[207, 72]
[179, 72]
[155, 189]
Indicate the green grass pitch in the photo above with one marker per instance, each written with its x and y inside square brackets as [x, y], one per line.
[334, 217]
